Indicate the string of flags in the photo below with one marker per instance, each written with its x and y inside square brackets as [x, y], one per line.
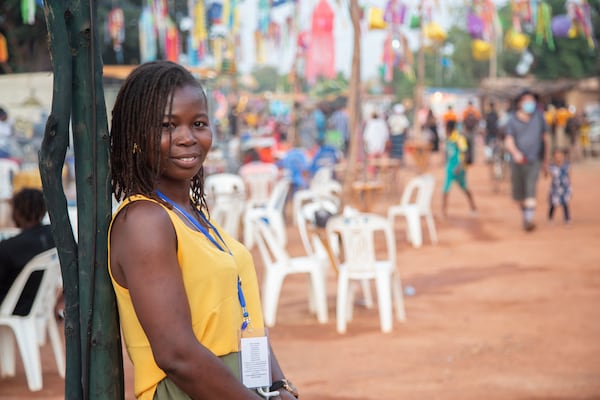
[209, 33]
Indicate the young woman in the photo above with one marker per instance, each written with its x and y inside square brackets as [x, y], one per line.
[186, 291]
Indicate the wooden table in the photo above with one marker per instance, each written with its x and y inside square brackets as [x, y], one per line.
[365, 192]
[387, 170]
[419, 151]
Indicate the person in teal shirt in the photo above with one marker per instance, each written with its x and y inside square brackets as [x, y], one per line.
[456, 148]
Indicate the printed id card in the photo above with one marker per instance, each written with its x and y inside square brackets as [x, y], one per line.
[255, 360]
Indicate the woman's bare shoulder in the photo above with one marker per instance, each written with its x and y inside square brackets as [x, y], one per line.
[141, 218]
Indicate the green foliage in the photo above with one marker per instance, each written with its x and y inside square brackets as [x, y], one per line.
[464, 71]
[403, 85]
[266, 77]
[507, 62]
[330, 88]
[571, 58]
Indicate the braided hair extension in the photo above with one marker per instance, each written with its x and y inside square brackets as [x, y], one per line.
[136, 129]
[29, 204]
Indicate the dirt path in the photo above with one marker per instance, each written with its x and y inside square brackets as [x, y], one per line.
[497, 314]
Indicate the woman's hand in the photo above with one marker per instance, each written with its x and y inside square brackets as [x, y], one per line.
[284, 395]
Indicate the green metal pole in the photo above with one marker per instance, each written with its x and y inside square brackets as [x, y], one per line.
[100, 363]
[101, 345]
[51, 161]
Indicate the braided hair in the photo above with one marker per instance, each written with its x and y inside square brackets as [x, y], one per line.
[29, 205]
[136, 128]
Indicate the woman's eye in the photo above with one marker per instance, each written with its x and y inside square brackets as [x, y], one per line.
[168, 125]
[200, 124]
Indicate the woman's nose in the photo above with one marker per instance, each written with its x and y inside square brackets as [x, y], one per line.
[184, 135]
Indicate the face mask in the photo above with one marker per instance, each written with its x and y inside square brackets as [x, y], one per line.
[528, 107]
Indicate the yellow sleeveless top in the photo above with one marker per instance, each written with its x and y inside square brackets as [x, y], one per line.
[210, 280]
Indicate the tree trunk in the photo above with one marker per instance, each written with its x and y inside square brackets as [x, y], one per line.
[78, 71]
[354, 109]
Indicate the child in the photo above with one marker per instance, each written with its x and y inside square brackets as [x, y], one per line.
[560, 188]
[456, 148]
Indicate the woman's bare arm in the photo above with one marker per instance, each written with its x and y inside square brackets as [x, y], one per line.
[144, 259]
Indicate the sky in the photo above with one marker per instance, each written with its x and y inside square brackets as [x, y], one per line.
[371, 51]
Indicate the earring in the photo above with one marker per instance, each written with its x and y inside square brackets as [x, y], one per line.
[136, 148]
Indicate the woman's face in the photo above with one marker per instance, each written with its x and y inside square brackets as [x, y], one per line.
[186, 135]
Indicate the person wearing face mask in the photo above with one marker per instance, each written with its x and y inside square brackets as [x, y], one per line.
[527, 140]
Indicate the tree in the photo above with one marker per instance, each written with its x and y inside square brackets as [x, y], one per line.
[464, 71]
[571, 57]
[267, 78]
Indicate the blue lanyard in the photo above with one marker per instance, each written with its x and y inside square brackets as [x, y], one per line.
[242, 300]
[195, 222]
[206, 233]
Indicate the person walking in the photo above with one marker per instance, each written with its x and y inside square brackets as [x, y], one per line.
[399, 124]
[186, 291]
[560, 188]
[456, 148]
[491, 130]
[431, 127]
[470, 121]
[376, 135]
[528, 142]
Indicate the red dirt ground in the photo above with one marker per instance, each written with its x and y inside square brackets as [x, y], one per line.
[498, 314]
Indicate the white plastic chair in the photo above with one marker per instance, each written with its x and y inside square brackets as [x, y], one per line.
[260, 179]
[271, 212]
[306, 218]
[217, 185]
[30, 330]
[226, 198]
[278, 264]
[358, 234]
[421, 188]
[321, 187]
[8, 168]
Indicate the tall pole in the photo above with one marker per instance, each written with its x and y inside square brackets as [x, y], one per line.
[354, 111]
[418, 95]
[493, 58]
[94, 357]
[491, 10]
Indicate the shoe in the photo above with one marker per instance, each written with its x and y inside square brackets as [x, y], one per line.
[529, 226]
